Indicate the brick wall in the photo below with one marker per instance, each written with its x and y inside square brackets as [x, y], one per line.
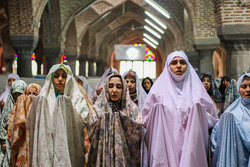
[51, 24]
[232, 12]
[21, 17]
[205, 25]
[71, 40]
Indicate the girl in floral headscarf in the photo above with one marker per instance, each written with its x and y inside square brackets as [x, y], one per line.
[17, 89]
[3, 98]
[115, 127]
[17, 132]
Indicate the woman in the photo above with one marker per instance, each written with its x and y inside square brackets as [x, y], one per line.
[55, 121]
[228, 91]
[3, 98]
[137, 93]
[147, 83]
[99, 86]
[177, 116]
[115, 127]
[84, 83]
[230, 136]
[209, 84]
[17, 132]
[16, 89]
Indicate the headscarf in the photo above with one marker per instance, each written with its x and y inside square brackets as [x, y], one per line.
[231, 94]
[32, 85]
[17, 86]
[141, 94]
[100, 84]
[222, 87]
[150, 80]
[128, 108]
[86, 85]
[5, 94]
[177, 114]
[214, 92]
[71, 89]
[17, 132]
[178, 92]
[233, 130]
[115, 130]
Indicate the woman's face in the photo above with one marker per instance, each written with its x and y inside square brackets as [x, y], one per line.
[147, 84]
[130, 83]
[245, 88]
[10, 81]
[32, 91]
[59, 80]
[115, 89]
[206, 83]
[178, 66]
[226, 83]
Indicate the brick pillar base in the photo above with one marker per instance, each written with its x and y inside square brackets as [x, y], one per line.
[8, 65]
[91, 69]
[238, 58]
[25, 45]
[82, 69]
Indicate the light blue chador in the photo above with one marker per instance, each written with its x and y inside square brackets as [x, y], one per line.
[231, 135]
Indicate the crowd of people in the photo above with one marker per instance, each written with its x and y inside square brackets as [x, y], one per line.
[180, 120]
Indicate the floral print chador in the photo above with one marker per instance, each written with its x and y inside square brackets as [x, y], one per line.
[115, 135]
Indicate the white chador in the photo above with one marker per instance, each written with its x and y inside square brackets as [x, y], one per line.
[55, 124]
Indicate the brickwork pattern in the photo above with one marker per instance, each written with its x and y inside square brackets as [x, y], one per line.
[232, 12]
[51, 24]
[71, 42]
[205, 24]
[21, 17]
[188, 33]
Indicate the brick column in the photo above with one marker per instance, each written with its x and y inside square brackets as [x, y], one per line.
[25, 45]
[99, 67]
[72, 60]
[238, 58]
[205, 47]
[82, 68]
[194, 59]
[8, 65]
[91, 68]
[237, 43]
[52, 56]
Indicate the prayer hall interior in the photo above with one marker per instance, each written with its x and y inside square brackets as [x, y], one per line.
[35, 34]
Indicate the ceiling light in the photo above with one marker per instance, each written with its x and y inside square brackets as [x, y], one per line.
[152, 32]
[150, 43]
[156, 19]
[158, 8]
[150, 38]
[154, 26]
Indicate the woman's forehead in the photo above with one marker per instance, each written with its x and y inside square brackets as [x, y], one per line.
[115, 80]
[178, 58]
[60, 70]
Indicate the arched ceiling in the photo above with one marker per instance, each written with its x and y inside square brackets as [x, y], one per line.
[114, 21]
[108, 22]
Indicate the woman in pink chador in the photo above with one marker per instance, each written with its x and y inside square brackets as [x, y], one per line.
[177, 115]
